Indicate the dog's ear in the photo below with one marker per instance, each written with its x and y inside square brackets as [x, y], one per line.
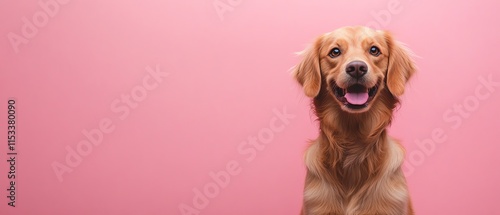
[400, 68]
[308, 72]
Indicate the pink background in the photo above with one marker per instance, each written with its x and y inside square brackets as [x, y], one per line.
[225, 79]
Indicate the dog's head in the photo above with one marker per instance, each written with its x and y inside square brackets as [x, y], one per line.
[354, 65]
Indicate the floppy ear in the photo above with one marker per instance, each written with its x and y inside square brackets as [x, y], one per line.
[308, 72]
[400, 68]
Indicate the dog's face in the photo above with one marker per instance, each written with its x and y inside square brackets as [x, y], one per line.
[354, 64]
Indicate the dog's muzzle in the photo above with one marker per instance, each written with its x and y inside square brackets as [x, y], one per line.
[356, 96]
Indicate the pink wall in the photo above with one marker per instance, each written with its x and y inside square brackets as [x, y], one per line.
[150, 100]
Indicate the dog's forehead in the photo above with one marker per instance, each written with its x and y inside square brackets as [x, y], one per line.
[354, 34]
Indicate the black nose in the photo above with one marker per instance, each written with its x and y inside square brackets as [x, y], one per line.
[356, 69]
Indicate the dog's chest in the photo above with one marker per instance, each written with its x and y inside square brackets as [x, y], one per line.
[354, 184]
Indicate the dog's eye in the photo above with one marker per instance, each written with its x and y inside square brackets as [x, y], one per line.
[335, 52]
[375, 51]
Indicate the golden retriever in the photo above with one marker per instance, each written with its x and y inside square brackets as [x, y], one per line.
[355, 76]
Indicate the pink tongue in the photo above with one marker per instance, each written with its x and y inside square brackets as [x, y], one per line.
[356, 98]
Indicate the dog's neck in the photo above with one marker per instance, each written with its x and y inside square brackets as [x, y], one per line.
[360, 129]
[355, 138]
[353, 156]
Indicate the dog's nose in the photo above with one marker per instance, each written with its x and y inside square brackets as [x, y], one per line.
[356, 69]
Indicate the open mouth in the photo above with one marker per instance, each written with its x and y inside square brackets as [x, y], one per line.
[356, 96]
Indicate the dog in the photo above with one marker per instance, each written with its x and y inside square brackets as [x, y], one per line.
[355, 77]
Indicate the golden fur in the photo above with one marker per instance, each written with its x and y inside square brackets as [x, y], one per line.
[354, 167]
